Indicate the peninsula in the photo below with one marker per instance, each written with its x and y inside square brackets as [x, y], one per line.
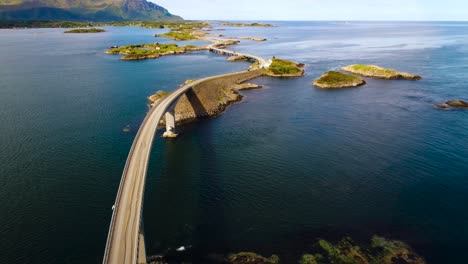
[334, 80]
[379, 72]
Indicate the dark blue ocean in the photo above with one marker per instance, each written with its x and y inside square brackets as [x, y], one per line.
[284, 167]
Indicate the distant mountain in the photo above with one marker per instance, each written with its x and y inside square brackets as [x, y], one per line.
[95, 10]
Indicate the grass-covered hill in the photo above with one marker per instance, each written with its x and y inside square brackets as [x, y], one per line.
[95, 10]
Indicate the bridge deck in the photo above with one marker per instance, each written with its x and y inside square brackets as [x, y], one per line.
[123, 240]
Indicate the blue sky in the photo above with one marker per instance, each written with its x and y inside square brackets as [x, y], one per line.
[319, 9]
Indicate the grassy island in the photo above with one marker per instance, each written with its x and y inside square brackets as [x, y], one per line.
[150, 51]
[178, 35]
[230, 24]
[379, 72]
[86, 30]
[333, 79]
[284, 68]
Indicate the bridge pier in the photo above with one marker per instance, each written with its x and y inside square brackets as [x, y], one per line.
[141, 248]
[170, 124]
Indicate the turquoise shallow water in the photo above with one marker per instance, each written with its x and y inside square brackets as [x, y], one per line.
[285, 166]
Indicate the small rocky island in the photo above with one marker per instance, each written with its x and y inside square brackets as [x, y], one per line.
[85, 30]
[335, 80]
[256, 24]
[451, 104]
[282, 68]
[379, 72]
[150, 51]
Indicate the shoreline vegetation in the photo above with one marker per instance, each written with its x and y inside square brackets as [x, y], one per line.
[378, 250]
[85, 30]
[169, 24]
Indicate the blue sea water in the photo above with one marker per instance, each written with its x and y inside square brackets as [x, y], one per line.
[284, 167]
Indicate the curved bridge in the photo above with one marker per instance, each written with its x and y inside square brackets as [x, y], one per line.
[125, 240]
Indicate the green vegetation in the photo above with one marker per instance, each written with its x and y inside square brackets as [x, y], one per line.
[379, 72]
[149, 51]
[230, 24]
[284, 67]
[251, 258]
[380, 251]
[333, 79]
[44, 24]
[169, 24]
[178, 35]
[85, 30]
[94, 10]
[308, 259]
[158, 95]
[373, 69]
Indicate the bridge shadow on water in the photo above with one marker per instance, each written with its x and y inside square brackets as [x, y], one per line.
[192, 193]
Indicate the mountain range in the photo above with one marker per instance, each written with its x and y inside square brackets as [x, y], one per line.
[93, 10]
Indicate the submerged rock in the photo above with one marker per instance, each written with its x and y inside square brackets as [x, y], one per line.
[334, 80]
[379, 72]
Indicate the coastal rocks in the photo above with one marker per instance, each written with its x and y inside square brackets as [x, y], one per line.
[457, 103]
[452, 104]
[334, 80]
[237, 58]
[155, 98]
[379, 72]
[251, 258]
[246, 86]
[283, 68]
[380, 250]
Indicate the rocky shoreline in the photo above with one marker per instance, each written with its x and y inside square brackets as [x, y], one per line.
[345, 251]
